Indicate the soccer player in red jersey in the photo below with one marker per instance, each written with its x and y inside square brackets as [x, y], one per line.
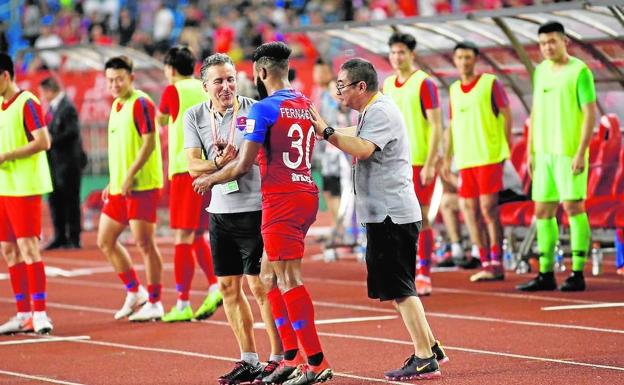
[280, 135]
[24, 177]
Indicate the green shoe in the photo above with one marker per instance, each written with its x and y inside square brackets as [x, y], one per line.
[210, 305]
[176, 315]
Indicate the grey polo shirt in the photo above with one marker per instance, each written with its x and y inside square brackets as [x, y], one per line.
[198, 134]
[383, 182]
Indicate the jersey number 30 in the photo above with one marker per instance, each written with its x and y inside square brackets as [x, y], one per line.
[298, 145]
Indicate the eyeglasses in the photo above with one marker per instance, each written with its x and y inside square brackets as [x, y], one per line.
[340, 88]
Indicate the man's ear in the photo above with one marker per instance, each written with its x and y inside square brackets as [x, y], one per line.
[264, 74]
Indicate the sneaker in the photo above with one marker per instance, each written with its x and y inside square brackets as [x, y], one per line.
[575, 282]
[286, 370]
[488, 274]
[209, 307]
[543, 282]
[243, 373]
[439, 353]
[17, 324]
[132, 302]
[148, 312]
[468, 263]
[41, 323]
[446, 262]
[267, 370]
[423, 285]
[177, 315]
[416, 368]
[309, 374]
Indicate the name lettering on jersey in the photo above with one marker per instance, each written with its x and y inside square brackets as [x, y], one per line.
[300, 178]
[295, 113]
[250, 125]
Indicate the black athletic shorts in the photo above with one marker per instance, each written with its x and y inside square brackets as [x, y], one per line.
[331, 184]
[236, 243]
[391, 259]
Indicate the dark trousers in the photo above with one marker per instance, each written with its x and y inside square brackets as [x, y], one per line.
[65, 205]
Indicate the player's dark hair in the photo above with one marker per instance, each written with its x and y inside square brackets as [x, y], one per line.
[51, 84]
[119, 63]
[360, 70]
[551, 26]
[272, 56]
[6, 64]
[403, 38]
[467, 44]
[181, 59]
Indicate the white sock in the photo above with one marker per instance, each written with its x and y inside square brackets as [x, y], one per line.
[24, 315]
[474, 252]
[456, 250]
[181, 305]
[276, 357]
[250, 357]
[214, 287]
[39, 314]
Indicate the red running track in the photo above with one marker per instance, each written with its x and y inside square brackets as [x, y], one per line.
[493, 334]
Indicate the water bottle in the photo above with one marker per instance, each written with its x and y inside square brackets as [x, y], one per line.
[523, 267]
[508, 262]
[559, 262]
[596, 256]
[440, 249]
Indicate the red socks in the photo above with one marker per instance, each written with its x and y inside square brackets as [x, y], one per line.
[425, 248]
[495, 254]
[19, 282]
[301, 314]
[204, 257]
[484, 256]
[154, 292]
[183, 268]
[282, 322]
[130, 280]
[37, 285]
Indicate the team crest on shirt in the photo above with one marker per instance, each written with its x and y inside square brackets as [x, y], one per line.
[241, 123]
[250, 124]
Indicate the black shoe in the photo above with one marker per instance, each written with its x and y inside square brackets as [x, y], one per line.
[415, 368]
[543, 282]
[439, 353]
[448, 262]
[575, 282]
[57, 243]
[243, 373]
[73, 245]
[469, 263]
[267, 370]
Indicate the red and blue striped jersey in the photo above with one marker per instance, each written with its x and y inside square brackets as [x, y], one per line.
[281, 123]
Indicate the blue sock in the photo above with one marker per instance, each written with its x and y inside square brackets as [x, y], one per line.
[619, 248]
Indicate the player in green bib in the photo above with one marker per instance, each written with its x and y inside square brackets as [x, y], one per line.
[131, 198]
[562, 121]
[24, 178]
[187, 214]
[416, 95]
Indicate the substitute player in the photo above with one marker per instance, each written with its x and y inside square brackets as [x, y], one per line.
[562, 120]
[479, 141]
[24, 177]
[416, 95]
[186, 208]
[279, 132]
[131, 197]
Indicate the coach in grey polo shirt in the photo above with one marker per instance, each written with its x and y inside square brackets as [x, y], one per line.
[386, 204]
[213, 130]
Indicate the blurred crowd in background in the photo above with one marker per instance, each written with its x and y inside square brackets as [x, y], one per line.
[234, 27]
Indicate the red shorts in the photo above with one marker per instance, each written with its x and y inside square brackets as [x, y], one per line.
[423, 193]
[138, 205]
[20, 217]
[186, 207]
[480, 180]
[286, 219]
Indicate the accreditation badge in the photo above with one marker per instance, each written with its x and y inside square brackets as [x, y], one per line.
[229, 187]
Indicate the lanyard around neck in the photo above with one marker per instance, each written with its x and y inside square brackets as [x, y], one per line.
[215, 130]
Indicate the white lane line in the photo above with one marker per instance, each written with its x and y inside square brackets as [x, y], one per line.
[344, 282]
[211, 356]
[379, 310]
[588, 306]
[38, 378]
[477, 351]
[331, 321]
[44, 340]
